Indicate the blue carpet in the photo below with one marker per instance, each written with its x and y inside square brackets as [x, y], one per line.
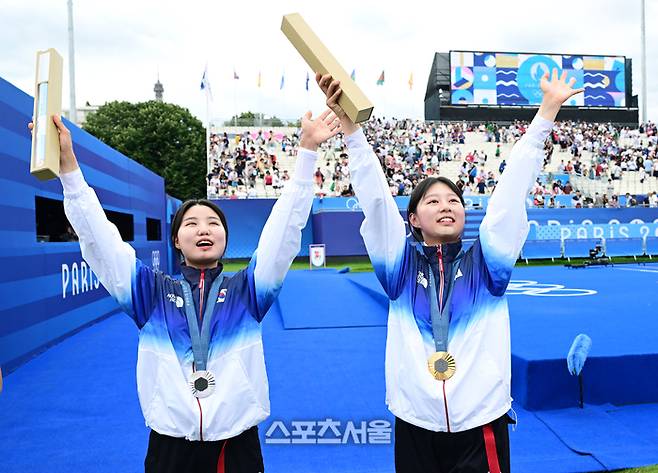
[549, 306]
[617, 437]
[323, 299]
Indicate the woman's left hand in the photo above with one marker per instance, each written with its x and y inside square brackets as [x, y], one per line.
[317, 131]
[556, 91]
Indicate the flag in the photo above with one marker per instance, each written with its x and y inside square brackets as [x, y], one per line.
[353, 74]
[235, 75]
[411, 81]
[307, 79]
[259, 79]
[205, 83]
[282, 81]
[380, 81]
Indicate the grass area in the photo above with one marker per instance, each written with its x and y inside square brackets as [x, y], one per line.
[562, 262]
[646, 469]
[356, 264]
[362, 264]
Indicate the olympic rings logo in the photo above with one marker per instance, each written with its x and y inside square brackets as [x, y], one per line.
[353, 204]
[534, 288]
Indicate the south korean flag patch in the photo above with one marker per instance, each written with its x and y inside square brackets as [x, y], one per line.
[421, 279]
[221, 297]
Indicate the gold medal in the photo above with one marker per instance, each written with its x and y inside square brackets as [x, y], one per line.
[441, 365]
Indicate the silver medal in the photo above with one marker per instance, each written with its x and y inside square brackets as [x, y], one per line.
[202, 384]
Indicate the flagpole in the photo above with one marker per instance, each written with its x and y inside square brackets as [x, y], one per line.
[235, 103]
[207, 134]
[260, 97]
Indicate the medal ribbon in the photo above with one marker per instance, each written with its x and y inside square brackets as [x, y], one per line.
[441, 318]
[200, 340]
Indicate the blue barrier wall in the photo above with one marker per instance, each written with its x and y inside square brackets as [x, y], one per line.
[246, 219]
[339, 229]
[585, 216]
[46, 290]
[335, 222]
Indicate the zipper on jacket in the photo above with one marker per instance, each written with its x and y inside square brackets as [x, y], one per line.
[201, 295]
[439, 252]
[445, 405]
[198, 401]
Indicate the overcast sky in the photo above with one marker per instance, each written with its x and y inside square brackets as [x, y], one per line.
[122, 45]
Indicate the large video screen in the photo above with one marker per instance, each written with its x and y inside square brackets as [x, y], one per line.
[490, 78]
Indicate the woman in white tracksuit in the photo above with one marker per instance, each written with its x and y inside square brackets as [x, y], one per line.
[448, 346]
[201, 376]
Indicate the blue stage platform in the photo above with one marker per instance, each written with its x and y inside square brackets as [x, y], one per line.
[74, 408]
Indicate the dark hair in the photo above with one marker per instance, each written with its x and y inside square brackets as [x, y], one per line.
[419, 192]
[178, 220]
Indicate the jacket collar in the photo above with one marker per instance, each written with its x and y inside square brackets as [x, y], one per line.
[451, 251]
[192, 275]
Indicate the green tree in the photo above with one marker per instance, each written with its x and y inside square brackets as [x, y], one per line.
[244, 119]
[254, 119]
[164, 137]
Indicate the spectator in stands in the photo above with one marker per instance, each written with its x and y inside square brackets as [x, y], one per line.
[567, 189]
[319, 178]
[598, 200]
[610, 190]
[577, 200]
[268, 181]
[653, 199]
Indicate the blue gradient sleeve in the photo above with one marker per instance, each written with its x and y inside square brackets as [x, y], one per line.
[143, 291]
[505, 226]
[493, 273]
[257, 298]
[383, 228]
[281, 238]
[127, 280]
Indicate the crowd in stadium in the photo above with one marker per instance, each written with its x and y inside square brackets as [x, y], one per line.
[412, 150]
[237, 164]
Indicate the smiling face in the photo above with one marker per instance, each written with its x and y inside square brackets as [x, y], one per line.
[439, 215]
[201, 237]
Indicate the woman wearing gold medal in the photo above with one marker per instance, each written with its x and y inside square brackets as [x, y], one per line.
[201, 374]
[448, 355]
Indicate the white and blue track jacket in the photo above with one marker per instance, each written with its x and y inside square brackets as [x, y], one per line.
[479, 338]
[155, 302]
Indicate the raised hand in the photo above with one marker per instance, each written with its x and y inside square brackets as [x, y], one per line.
[315, 132]
[556, 91]
[331, 89]
[67, 160]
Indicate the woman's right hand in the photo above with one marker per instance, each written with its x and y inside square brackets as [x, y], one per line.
[67, 159]
[331, 89]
